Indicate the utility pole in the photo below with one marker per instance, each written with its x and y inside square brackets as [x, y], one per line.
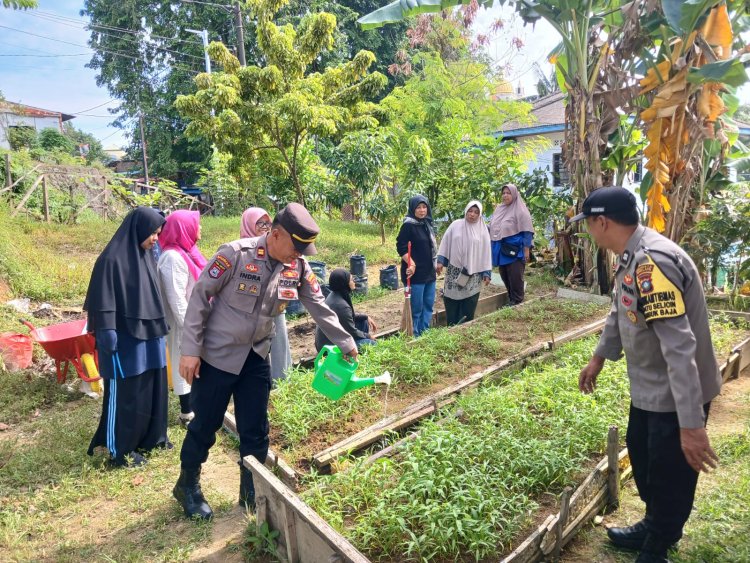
[143, 147]
[240, 34]
[204, 36]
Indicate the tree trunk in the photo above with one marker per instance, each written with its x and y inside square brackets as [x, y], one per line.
[382, 234]
[582, 159]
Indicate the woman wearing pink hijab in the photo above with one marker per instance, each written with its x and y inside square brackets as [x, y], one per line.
[179, 266]
[256, 222]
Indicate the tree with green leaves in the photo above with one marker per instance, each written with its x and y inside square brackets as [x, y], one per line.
[446, 106]
[349, 37]
[281, 106]
[145, 57]
[79, 138]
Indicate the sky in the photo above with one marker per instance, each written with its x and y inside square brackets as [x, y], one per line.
[43, 56]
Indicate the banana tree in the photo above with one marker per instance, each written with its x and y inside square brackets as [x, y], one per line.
[690, 86]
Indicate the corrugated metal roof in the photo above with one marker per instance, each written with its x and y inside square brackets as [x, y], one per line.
[549, 110]
[31, 111]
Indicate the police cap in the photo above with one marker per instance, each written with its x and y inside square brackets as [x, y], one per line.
[300, 225]
[607, 201]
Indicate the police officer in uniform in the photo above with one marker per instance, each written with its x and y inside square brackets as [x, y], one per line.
[659, 319]
[227, 336]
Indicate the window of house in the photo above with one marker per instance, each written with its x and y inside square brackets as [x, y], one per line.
[560, 176]
[638, 172]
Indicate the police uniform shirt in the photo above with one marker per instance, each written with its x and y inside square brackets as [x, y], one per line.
[659, 318]
[236, 298]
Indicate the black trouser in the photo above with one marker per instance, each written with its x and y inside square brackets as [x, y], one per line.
[512, 276]
[460, 310]
[665, 481]
[210, 397]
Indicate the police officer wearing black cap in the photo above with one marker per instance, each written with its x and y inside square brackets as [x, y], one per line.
[659, 319]
[227, 336]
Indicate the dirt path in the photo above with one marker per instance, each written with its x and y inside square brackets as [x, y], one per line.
[729, 415]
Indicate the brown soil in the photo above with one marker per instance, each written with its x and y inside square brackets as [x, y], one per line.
[516, 335]
[5, 292]
[384, 311]
[729, 414]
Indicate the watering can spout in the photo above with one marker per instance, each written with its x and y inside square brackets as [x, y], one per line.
[385, 377]
[357, 383]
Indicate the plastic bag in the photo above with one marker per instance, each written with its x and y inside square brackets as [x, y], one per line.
[16, 350]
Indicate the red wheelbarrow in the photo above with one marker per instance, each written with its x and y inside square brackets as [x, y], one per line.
[70, 343]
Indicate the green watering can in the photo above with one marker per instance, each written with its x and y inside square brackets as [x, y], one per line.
[334, 375]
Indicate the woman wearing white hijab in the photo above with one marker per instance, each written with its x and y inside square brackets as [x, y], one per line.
[466, 255]
[512, 236]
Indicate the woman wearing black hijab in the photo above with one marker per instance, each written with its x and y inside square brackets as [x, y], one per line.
[339, 300]
[126, 314]
[417, 228]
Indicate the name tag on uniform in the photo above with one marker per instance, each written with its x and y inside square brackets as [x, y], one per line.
[288, 293]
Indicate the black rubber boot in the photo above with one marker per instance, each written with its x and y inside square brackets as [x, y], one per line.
[629, 537]
[654, 549]
[247, 489]
[188, 493]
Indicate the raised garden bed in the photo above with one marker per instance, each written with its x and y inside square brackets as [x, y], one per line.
[483, 481]
[304, 423]
[385, 312]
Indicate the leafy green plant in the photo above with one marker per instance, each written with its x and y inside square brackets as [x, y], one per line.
[300, 415]
[261, 541]
[470, 484]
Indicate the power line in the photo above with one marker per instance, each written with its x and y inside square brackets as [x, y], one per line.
[117, 53]
[24, 55]
[95, 107]
[135, 40]
[27, 48]
[110, 27]
[206, 3]
[119, 130]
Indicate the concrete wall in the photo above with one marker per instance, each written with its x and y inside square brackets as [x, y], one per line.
[543, 158]
[13, 120]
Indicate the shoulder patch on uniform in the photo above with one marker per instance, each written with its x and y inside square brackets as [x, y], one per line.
[219, 266]
[312, 279]
[659, 297]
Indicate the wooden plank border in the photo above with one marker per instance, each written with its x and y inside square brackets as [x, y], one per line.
[591, 496]
[303, 535]
[288, 475]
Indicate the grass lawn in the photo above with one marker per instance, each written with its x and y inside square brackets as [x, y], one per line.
[52, 262]
[59, 504]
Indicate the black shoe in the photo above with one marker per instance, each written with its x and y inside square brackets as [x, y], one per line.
[655, 549]
[188, 493]
[133, 459]
[629, 537]
[648, 557]
[247, 489]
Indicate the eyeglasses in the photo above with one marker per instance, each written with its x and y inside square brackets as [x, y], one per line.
[263, 225]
